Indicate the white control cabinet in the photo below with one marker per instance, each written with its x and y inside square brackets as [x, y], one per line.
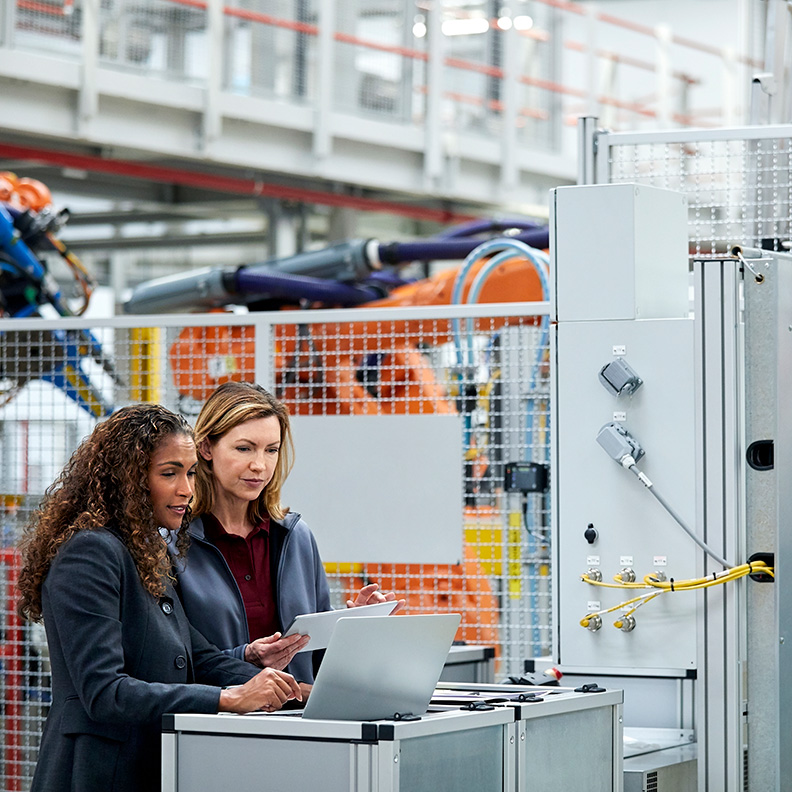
[621, 294]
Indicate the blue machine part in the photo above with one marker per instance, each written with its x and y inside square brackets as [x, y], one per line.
[25, 277]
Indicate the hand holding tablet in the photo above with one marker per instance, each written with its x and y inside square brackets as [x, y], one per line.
[320, 625]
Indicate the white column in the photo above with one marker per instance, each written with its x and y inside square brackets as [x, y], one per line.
[729, 87]
[88, 101]
[433, 132]
[326, 79]
[212, 120]
[663, 76]
[509, 175]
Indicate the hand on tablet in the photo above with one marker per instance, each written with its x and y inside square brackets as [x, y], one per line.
[369, 595]
[274, 651]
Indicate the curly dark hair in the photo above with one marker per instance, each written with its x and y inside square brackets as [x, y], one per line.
[230, 405]
[104, 484]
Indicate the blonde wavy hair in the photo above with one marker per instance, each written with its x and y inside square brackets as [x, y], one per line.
[232, 404]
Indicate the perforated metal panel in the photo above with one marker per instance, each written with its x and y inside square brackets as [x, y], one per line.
[737, 181]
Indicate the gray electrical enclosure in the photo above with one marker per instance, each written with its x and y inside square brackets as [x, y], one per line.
[622, 254]
[621, 293]
[633, 530]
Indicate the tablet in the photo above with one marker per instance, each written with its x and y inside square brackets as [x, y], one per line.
[320, 625]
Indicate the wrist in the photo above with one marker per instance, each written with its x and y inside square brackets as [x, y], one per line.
[228, 699]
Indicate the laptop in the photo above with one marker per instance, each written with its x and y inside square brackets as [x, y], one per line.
[381, 667]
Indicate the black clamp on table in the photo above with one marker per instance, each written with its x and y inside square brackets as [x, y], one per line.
[530, 698]
[592, 687]
[478, 705]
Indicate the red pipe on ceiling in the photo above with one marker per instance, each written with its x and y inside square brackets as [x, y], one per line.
[228, 184]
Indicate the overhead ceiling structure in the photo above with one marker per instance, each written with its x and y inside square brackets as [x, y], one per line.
[165, 191]
[193, 186]
[247, 129]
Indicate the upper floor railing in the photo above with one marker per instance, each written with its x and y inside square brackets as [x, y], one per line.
[451, 82]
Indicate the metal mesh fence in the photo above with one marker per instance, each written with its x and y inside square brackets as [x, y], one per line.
[270, 48]
[380, 64]
[739, 187]
[162, 37]
[58, 378]
[51, 26]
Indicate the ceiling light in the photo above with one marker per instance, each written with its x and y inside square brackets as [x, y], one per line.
[523, 23]
[465, 27]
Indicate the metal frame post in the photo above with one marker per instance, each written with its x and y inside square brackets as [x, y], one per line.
[719, 517]
[88, 94]
[663, 78]
[510, 101]
[587, 150]
[212, 115]
[8, 24]
[761, 508]
[782, 635]
[325, 95]
[433, 142]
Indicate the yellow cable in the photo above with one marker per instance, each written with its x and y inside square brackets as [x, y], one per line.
[619, 623]
[735, 573]
[648, 599]
[79, 272]
[661, 587]
[603, 584]
[617, 607]
[717, 579]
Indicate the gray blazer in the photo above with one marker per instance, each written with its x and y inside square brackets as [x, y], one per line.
[120, 659]
[214, 605]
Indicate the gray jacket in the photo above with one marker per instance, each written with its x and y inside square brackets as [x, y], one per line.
[120, 660]
[214, 604]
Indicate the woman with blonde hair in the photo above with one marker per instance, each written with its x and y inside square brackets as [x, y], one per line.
[252, 565]
[96, 569]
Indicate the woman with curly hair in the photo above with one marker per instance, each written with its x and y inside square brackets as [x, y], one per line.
[122, 652]
[253, 565]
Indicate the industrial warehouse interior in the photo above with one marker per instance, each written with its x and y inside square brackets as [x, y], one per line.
[518, 276]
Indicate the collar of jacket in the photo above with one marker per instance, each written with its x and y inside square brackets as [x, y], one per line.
[196, 527]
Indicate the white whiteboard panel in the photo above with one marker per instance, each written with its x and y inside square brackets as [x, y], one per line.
[380, 488]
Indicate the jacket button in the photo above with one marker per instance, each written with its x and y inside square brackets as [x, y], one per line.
[167, 608]
[247, 577]
[180, 661]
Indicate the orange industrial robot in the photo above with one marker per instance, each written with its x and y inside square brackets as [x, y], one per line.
[375, 367]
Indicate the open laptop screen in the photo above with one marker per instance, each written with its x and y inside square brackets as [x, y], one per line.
[377, 667]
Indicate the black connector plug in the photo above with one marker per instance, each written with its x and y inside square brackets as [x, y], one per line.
[762, 577]
[760, 455]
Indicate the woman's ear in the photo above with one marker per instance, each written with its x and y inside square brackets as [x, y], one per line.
[205, 449]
